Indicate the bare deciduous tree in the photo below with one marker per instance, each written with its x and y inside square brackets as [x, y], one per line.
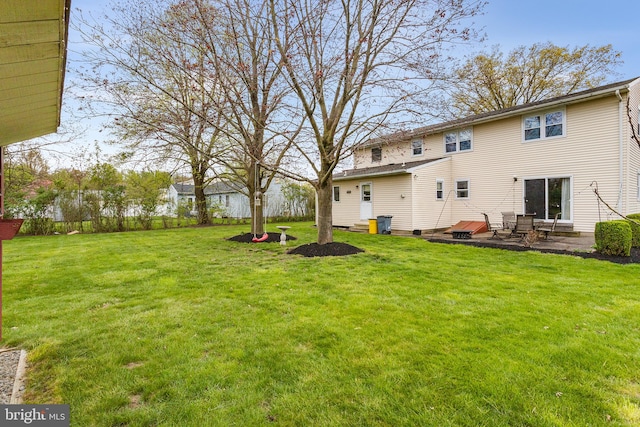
[237, 40]
[160, 90]
[355, 66]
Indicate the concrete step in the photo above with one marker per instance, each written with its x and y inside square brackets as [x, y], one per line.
[360, 227]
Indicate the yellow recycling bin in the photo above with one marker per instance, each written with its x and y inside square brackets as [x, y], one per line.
[373, 226]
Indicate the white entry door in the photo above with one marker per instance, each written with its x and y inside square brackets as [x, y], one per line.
[366, 196]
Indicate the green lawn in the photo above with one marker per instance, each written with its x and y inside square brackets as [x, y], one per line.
[183, 328]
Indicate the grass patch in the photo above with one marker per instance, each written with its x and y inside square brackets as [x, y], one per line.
[181, 327]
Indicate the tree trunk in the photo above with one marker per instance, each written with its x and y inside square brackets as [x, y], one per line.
[257, 216]
[201, 200]
[256, 203]
[325, 220]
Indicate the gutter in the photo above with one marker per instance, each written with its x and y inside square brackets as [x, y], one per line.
[620, 203]
[402, 171]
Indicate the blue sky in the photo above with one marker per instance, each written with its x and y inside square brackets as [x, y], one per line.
[511, 23]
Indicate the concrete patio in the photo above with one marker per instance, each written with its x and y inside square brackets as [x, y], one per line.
[582, 243]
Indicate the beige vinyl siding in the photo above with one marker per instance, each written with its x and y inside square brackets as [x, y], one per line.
[388, 200]
[594, 129]
[633, 151]
[429, 213]
[346, 212]
[587, 152]
[393, 152]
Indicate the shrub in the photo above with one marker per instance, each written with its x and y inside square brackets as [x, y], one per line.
[613, 238]
[635, 229]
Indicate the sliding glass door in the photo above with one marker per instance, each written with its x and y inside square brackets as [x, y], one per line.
[545, 197]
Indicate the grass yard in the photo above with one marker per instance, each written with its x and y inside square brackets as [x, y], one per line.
[180, 327]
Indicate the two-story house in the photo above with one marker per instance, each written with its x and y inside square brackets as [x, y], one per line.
[541, 158]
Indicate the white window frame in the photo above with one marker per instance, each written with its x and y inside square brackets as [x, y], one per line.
[417, 144]
[333, 193]
[542, 117]
[440, 197]
[638, 185]
[458, 190]
[547, 178]
[456, 134]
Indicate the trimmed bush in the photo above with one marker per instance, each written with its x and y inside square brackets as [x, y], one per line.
[613, 238]
[635, 229]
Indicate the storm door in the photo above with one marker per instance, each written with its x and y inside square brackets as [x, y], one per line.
[366, 197]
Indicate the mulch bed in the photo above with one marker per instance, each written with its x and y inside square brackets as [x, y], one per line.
[633, 259]
[308, 250]
[248, 238]
[328, 249]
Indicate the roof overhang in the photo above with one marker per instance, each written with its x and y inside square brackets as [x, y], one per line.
[33, 52]
[387, 170]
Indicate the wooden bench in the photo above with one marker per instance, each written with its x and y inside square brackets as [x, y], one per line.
[461, 234]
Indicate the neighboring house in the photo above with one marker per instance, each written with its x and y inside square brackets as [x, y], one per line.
[225, 199]
[540, 158]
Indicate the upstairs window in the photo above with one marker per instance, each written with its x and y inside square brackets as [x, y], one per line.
[458, 141]
[416, 148]
[543, 126]
[376, 154]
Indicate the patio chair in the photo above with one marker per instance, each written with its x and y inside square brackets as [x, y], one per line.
[492, 227]
[508, 220]
[546, 229]
[524, 224]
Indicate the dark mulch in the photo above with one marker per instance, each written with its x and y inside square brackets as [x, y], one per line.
[634, 258]
[328, 249]
[248, 238]
[309, 250]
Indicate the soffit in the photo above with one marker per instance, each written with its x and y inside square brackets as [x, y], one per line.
[33, 35]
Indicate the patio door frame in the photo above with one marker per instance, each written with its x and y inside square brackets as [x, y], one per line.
[541, 202]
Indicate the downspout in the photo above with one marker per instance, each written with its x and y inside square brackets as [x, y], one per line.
[619, 205]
